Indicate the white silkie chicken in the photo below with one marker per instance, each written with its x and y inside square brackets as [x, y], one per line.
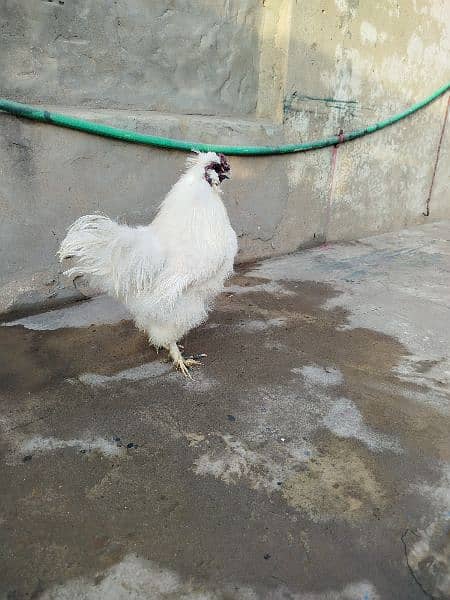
[169, 272]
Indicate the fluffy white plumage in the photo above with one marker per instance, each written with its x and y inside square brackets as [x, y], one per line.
[169, 272]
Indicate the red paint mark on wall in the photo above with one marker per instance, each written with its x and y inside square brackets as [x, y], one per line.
[427, 205]
[332, 184]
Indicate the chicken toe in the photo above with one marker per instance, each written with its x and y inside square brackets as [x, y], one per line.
[180, 363]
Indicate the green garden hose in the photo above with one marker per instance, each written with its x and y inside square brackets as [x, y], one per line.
[36, 114]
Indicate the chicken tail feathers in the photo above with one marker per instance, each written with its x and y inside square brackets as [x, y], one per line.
[115, 258]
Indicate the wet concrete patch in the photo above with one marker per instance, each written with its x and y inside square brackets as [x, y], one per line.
[329, 457]
[33, 360]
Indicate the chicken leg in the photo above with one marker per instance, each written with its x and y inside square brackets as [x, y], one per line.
[181, 363]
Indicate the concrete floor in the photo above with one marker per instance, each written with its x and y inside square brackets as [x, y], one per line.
[309, 459]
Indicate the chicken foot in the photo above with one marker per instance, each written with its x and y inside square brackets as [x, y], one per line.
[183, 364]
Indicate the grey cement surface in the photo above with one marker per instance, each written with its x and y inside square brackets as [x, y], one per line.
[251, 72]
[182, 57]
[309, 459]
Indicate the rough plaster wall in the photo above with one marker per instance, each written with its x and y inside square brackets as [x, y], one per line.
[47, 180]
[385, 188]
[185, 56]
[306, 68]
[354, 62]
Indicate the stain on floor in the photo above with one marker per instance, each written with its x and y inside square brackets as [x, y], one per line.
[337, 484]
[295, 466]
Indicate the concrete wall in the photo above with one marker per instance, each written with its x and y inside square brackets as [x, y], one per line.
[180, 56]
[228, 71]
